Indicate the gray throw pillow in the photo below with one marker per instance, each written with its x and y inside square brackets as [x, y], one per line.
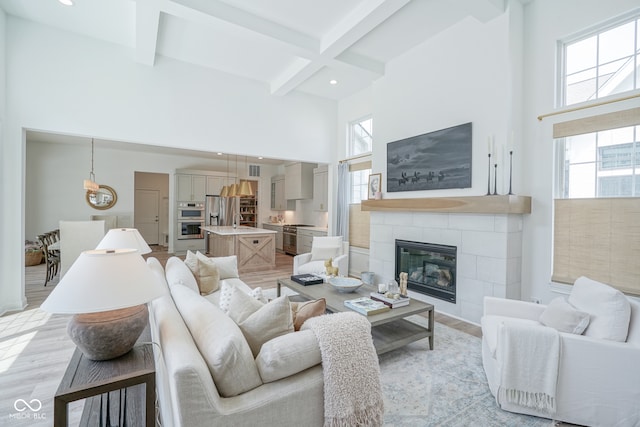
[562, 316]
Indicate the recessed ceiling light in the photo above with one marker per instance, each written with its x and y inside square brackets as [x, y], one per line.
[260, 158]
[66, 2]
[219, 154]
[333, 82]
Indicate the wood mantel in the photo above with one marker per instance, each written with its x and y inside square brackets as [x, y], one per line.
[471, 204]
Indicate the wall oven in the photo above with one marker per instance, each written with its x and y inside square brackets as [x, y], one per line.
[190, 211]
[190, 230]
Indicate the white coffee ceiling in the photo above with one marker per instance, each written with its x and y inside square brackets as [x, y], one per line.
[287, 44]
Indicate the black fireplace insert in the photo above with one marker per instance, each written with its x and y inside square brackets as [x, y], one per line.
[431, 268]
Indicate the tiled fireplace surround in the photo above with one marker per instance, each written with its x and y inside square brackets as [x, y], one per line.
[488, 258]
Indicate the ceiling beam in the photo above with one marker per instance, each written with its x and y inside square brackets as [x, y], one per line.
[362, 62]
[147, 21]
[351, 29]
[483, 10]
[208, 9]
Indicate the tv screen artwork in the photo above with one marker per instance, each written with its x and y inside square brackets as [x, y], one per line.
[432, 161]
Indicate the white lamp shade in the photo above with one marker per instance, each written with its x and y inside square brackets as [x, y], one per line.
[124, 238]
[90, 185]
[103, 280]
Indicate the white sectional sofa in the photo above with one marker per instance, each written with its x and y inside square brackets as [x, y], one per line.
[189, 331]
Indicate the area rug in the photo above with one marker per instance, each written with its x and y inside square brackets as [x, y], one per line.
[443, 387]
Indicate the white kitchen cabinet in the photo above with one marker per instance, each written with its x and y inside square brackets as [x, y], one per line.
[305, 238]
[320, 189]
[215, 183]
[298, 183]
[278, 200]
[190, 188]
[279, 236]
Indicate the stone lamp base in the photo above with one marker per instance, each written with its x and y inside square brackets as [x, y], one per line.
[108, 334]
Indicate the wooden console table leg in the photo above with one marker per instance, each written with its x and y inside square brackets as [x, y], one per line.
[150, 394]
[60, 412]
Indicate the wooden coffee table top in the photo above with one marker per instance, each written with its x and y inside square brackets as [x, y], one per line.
[335, 300]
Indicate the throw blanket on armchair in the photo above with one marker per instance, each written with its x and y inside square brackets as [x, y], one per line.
[528, 358]
[352, 390]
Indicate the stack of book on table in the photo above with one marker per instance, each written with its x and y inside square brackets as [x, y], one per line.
[307, 279]
[400, 301]
[366, 306]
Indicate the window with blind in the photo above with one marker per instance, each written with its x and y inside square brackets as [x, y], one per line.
[359, 222]
[597, 208]
[360, 144]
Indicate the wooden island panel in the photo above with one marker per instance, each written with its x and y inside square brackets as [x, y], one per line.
[256, 252]
[221, 245]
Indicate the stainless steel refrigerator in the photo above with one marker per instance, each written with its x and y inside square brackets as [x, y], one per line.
[219, 210]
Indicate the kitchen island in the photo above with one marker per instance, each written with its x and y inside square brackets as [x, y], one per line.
[254, 247]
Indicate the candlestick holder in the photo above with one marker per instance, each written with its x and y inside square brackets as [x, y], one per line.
[510, 169]
[489, 178]
[495, 179]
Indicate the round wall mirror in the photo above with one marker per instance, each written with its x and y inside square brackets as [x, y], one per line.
[102, 199]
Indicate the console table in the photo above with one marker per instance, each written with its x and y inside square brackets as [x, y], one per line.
[119, 391]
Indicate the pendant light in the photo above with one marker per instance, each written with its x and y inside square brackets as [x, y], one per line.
[225, 188]
[245, 187]
[233, 190]
[90, 184]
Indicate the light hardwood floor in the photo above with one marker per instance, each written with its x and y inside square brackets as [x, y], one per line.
[35, 348]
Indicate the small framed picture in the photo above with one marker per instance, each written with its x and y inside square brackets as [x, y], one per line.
[375, 181]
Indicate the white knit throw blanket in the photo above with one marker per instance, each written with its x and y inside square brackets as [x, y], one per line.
[528, 358]
[352, 390]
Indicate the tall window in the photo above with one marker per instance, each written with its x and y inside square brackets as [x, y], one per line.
[360, 137]
[360, 143]
[601, 62]
[601, 164]
[359, 185]
[597, 205]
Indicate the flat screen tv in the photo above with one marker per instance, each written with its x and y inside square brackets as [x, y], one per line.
[431, 161]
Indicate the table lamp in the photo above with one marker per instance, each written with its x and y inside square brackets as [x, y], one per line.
[106, 290]
[123, 238]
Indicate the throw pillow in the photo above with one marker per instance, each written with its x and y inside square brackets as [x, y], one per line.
[325, 247]
[562, 316]
[287, 355]
[190, 260]
[208, 277]
[220, 341]
[321, 254]
[227, 289]
[206, 273]
[178, 273]
[260, 322]
[227, 265]
[609, 309]
[304, 310]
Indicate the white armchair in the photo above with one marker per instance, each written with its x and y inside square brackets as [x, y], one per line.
[323, 248]
[597, 378]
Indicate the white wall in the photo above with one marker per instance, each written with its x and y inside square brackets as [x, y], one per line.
[458, 76]
[547, 21]
[64, 83]
[500, 76]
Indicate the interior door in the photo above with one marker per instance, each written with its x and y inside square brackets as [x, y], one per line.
[146, 215]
